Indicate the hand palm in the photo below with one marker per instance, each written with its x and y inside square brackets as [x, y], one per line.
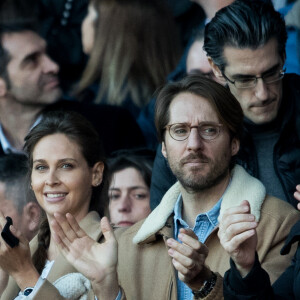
[91, 258]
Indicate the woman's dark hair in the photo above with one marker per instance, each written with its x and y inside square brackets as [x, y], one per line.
[141, 160]
[136, 45]
[79, 130]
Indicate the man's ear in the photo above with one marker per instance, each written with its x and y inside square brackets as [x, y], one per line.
[97, 176]
[32, 216]
[235, 146]
[215, 68]
[3, 87]
[164, 150]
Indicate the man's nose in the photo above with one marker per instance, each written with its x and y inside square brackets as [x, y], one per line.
[194, 141]
[261, 90]
[49, 66]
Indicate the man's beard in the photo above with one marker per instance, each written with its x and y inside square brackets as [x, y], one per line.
[192, 180]
[35, 96]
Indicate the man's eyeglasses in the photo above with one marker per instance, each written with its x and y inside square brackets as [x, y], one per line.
[250, 82]
[181, 131]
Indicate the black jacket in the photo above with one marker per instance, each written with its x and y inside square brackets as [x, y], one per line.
[286, 155]
[256, 285]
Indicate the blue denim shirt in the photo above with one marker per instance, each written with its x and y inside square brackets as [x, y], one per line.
[204, 225]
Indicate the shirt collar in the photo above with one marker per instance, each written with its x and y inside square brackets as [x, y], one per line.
[6, 145]
[212, 214]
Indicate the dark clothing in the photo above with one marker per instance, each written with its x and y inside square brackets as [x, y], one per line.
[265, 141]
[256, 285]
[286, 155]
[89, 95]
[60, 24]
[162, 179]
[116, 127]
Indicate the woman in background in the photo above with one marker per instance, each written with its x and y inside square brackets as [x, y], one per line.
[129, 186]
[132, 47]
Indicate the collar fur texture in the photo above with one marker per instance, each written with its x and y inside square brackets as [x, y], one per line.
[242, 187]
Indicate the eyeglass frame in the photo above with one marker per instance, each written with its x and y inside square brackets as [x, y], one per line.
[281, 75]
[218, 125]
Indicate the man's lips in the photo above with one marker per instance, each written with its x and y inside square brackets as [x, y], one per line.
[50, 82]
[262, 104]
[193, 159]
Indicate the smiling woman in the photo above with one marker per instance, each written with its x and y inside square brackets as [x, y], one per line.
[68, 175]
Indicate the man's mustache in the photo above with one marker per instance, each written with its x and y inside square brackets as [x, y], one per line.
[195, 157]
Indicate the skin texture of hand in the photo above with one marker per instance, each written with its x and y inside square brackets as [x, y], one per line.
[98, 262]
[17, 261]
[237, 234]
[297, 195]
[3, 281]
[188, 259]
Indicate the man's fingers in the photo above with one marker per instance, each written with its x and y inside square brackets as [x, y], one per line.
[238, 228]
[182, 259]
[191, 240]
[189, 232]
[297, 193]
[232, 245]
[185, 274]
[181, 248]
[229, 220]
[243, 208]
[180, 268]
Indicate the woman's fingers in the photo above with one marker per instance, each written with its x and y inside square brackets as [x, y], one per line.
[59, 235]
[65, 226]
[75, 226]
[107, 230]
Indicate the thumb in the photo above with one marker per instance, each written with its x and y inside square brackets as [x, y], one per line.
[246, 203]
[107, 230]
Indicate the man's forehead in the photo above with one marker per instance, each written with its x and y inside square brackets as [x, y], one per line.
[189, 107]
[248, 61]
[23, 43]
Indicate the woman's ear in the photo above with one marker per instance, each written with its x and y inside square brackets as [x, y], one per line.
[97, 175]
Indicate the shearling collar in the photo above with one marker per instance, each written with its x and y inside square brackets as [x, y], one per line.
[243, 187]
